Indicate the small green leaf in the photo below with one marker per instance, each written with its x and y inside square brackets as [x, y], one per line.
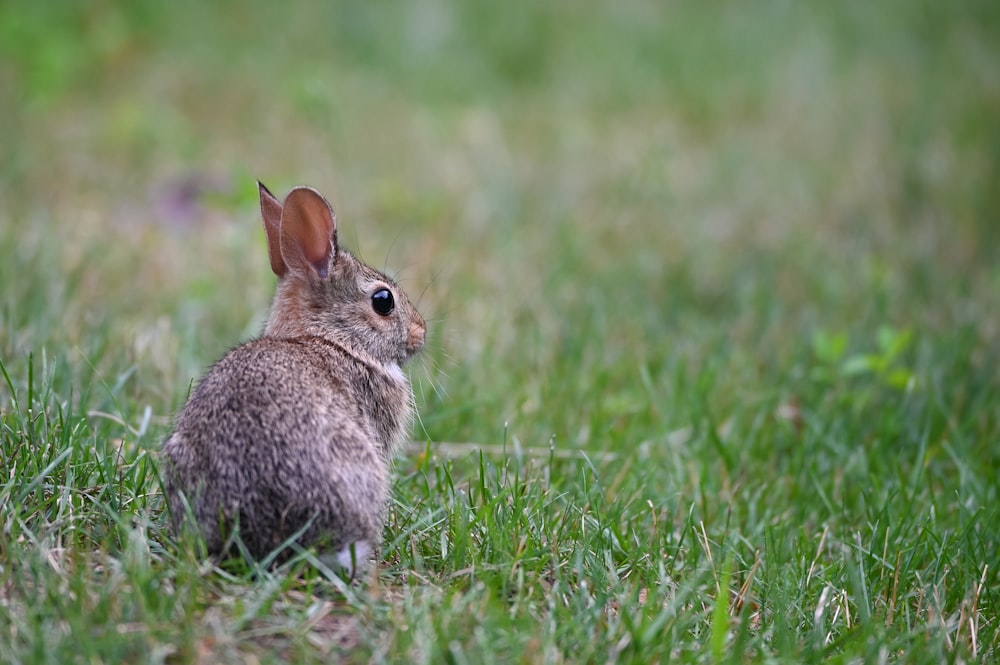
[893, 342]
[861, 364]
[829, 348]
[899, 378]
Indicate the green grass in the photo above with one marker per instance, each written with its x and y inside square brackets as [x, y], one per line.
[714, 306]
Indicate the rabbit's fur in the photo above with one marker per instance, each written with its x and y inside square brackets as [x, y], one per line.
[294, 432]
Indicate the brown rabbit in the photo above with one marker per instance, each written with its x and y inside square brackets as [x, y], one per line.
[295, 432]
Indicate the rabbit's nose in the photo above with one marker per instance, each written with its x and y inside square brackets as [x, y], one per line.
[415, 336]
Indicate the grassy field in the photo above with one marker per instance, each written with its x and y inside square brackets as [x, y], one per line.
[713, 293]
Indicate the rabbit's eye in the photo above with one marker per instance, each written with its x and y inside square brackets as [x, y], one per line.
[382, 302]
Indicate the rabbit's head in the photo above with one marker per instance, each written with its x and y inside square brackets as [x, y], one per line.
[326, 292]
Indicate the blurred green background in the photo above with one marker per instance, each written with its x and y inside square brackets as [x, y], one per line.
[575, 191]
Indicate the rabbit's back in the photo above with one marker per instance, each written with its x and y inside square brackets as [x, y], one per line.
[284, 435]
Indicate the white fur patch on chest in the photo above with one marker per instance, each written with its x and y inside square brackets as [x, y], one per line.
[395, 372]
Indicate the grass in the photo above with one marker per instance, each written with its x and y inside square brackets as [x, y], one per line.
[713, 304]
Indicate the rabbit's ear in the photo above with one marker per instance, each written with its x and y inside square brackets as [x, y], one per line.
[308, 231]
[270, 210]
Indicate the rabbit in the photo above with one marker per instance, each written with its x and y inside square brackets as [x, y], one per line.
[291, 436]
